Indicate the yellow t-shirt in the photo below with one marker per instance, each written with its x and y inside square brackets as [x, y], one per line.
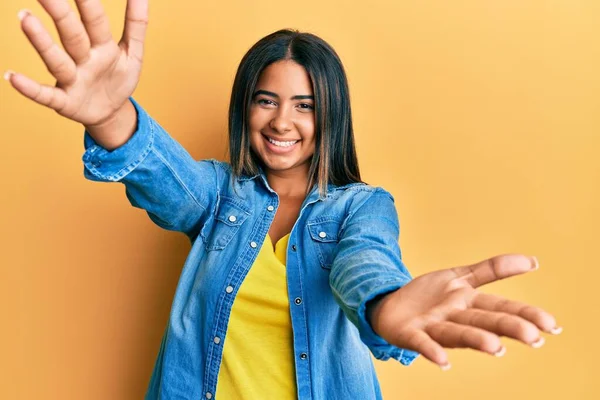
[258, 353]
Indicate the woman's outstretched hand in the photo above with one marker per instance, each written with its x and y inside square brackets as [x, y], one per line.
[94, 75]
[444, 309]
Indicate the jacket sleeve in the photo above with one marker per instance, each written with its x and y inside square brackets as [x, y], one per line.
[367, 262]
[159, 176]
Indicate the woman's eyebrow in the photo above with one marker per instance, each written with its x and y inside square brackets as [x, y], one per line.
[275, 95]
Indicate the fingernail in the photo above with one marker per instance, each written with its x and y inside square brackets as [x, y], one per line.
[8, 74]
[535, 264]
[538, 343]
[556, 330]
[23, 13]
[500, 352]
[445, 367]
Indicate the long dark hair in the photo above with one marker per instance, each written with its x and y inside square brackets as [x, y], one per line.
[334, 160]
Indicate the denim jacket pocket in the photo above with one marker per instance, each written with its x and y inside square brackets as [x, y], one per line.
[325, 237]
[228, 219]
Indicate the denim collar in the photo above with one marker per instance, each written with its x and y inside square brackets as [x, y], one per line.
[313, 194]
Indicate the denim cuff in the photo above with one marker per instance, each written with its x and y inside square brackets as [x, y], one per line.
[103, 165]
[381, 349]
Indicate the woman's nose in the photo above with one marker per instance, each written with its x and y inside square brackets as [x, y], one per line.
[281, 122]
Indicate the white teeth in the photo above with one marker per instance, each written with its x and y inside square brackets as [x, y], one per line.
[281, 144]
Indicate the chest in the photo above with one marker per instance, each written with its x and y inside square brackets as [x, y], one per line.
[241, 221]
[286, 216]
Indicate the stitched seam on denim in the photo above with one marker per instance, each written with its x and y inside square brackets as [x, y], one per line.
[356, 309]
[375, 347]
[237, 280]
[406, 360]
[318, 242]
[223, 165]
[321, 258]
[177, 178]
[305, 329]
[234, 278]
[210, 221]
[123, 171]
[324, 218]
[237, 203]
[223, 216]
[131, 166]
[350, 185]
[219, 217]
[351, 214]
[361, 188]
[401, 355]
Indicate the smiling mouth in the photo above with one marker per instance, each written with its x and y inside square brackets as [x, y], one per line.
[282, 144]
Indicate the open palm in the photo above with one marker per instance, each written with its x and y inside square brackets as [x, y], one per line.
[444, 309]
[94, 75]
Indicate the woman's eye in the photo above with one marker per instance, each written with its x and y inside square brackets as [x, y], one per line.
[306, 106]
[265, 102]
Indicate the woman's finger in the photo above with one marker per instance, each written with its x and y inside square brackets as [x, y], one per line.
[95, 21]
[60, 65]
[498, 323]
[543, 320]
[45, 95]
[134, 31]
[496, 268]
[70, 29]
[417, 340]
[450, 334]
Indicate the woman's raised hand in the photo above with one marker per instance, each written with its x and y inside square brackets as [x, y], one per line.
[94, 75]
[444, 309]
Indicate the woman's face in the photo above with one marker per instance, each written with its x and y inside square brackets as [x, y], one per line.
[282, 118]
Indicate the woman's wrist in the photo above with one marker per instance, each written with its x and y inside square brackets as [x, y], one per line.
[117, 129]
[373, 309]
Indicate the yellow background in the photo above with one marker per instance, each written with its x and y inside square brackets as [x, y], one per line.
[481, 117]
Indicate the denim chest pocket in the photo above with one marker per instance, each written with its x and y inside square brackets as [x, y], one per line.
[325, 237]
[229, 218]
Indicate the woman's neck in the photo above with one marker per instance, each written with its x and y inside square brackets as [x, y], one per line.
[289, 183]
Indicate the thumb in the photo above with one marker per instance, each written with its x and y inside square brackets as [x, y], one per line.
[134, 31]
[496, 268]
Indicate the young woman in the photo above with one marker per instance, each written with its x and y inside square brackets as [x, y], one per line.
[295, 275]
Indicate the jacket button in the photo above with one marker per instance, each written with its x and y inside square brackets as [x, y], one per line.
[217, 340]
[322, 234]
[253, 245]
[270, 208]
[293, 247]
[303, 356]
[229, 289]
[232, 218]
[208, 395]
[298, 300]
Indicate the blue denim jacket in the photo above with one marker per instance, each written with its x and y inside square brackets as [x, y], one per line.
[342, 252]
